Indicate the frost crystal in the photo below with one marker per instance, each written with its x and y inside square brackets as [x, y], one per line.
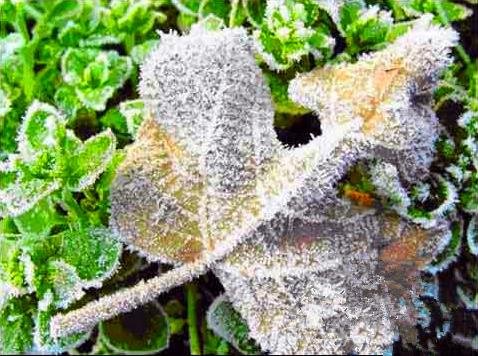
[208, 185]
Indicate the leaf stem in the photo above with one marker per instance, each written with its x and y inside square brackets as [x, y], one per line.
[233, 13]
[191, 299]
[129, 42]
[73, 208]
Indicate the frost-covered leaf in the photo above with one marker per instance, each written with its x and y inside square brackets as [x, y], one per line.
[450, 249]
[25, 192]
[226, 322]
[255, 10]
[291, 30]
[12, 278]
[16, 326]
[472, 235]
[468, 296]
[66, 100]
[65, 9]
[94, 253]
[5, 103]
[44, 343]
[90, 160]
[469, 194]
[142, 331]
[364, 28]
[65, 284]
[9, 45]
[134, 112]
[446, 8]
[95, 74]
[134, 16]
[139, 52]
[42, 130]
[39, 220]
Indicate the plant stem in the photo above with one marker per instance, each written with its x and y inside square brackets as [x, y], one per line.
[129, 42]
[233, 13]
[191, 298]
[73, 208]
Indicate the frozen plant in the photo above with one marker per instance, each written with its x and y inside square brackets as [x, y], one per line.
[208, 185]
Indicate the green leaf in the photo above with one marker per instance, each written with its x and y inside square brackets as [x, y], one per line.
[469, 195]
[12, 280]
[226, 322]
[10, 45]
[39, 220]
[255, 11]
[41, 131]
[90, 160]
[16, 326]
[134, 112]
[145, 330]
[65, 98]
[5, 103]
[290, 31]
[24, 193]
[95, 74]
[114, 120]
[94, 253]
[65, 9]
[139, 52]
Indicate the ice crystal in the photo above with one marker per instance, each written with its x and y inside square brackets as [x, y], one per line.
[207, 185]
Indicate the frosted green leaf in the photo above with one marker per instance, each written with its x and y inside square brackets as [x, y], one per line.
[94, 253]
[291, 30]
[65, 284]
[42, 130]
[45, 344]
[24, 193]
[188, 7]
[16, 326]
[472, 235]
[66, 99]
[98, 40]
[255, 10]
[5, 103]
[90, 160]
[134, 112]
[469, 195]
[64, 9]
[39, 220]
[364, 28]
[9, 45]
[133, 16]
[139, 52]
[468, 297]
[448, 9]
[95, 74]
[226, 322]
[142, 331]
[212, 22]
[11, 270]
[450, 250]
